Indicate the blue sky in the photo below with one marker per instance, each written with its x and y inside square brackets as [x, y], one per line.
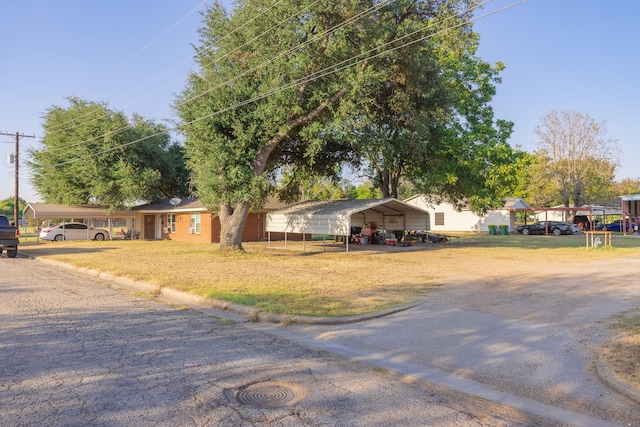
[578, 55]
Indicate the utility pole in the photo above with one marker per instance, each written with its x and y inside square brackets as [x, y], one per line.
[16, 208]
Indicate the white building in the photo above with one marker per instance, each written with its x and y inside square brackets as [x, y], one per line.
[445, 217]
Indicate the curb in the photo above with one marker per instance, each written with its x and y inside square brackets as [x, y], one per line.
[609, 378]
[251, 313]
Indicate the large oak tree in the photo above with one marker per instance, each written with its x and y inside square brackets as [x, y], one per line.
[277, 83]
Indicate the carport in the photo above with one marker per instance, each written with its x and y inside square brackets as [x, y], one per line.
[586, 211]
[341, 217]
[631, 211]
[48, 211]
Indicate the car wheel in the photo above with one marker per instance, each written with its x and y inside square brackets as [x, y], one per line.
[99, 236]
[59, 238]
[556, 232]
[525, 231]
[11, 253]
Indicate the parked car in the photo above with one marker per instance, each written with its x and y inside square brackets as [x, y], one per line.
[575, 228]
[615, 226]
[555, 227]
[73, 231]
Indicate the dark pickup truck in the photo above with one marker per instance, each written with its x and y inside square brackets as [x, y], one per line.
[8, 237]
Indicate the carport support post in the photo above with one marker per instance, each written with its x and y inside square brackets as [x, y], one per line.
[304, 242]
[285, 240]
[623, 223]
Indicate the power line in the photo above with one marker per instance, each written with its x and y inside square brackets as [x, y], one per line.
[139, 52]
[323, 73]
[247, 72]
[358, 59]
[344, 64]
[172, 68]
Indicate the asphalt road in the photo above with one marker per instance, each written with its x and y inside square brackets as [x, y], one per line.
[77, 351]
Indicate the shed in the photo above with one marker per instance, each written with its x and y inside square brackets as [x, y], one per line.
[344, 217]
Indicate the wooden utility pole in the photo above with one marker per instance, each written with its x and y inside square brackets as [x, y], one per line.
[16, 208]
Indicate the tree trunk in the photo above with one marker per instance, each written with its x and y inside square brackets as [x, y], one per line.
[383, 182]
[394, 181]
[232, 221]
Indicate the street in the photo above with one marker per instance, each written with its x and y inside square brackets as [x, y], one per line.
[80, 351]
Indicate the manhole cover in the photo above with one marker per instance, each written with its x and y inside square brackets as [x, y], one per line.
[270, 395]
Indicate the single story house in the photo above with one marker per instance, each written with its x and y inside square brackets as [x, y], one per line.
[188, 220]
[445, 217]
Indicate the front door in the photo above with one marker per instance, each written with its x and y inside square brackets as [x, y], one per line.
[149, 227]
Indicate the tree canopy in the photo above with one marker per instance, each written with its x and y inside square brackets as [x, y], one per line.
[575, 160]
[279, 84]
[7, 206]
[91, 154]
[431, 123]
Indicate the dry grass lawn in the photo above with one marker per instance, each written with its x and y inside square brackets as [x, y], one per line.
[315, 282]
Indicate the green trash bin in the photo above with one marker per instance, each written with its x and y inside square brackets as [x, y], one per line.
[492, 230]
[504, 230]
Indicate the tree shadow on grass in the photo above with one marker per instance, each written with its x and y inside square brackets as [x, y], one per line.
[43, 250]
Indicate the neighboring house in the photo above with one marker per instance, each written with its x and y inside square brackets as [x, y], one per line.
[188, 220]
[445, 217]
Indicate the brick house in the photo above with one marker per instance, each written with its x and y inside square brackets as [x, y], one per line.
[188, 220]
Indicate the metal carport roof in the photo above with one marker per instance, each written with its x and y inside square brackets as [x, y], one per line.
[336, 217]
[55, 211]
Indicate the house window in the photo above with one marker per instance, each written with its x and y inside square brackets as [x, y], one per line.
[171, 223]
[439, 218]
[194, 223]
